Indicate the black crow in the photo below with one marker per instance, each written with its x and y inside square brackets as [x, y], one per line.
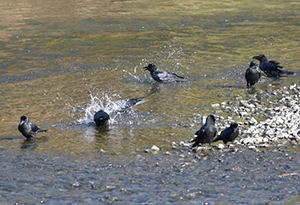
[27, 128]
[101, 118]
[229, 134]
[252, 74]
[206, 133]
[163, 76]
[271, 68]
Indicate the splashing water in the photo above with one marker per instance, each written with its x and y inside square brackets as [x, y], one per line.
[95, 105]
[135, 76]
[113, 109]
[132, 75]
[122, 105]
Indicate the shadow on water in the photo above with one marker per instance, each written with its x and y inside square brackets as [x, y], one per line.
[32, 144]
[11, 138]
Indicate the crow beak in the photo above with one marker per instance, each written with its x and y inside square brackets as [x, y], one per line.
[255, 57]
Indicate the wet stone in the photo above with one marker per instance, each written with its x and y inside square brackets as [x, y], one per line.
[155, 148]
[101, 151]
[215, 105]
[244, 114]
[223, 104]
[252, 121]
[220, 146]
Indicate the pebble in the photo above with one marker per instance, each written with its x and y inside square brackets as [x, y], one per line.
[155, 148]
[280, 110]
[252, 121]
[184, 144]
[266, 117]
[220, 146]
[101, 151]
[243, 114]
[215, 105]
[223, 104]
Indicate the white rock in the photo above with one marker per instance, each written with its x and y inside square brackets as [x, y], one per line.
[251, 147]
[248, 140]
[223, 104]
[293, 86]
[252, 121]
[184, 144]
[259, 140]
[265, 140]
[215, 105]
[155, 148]
[244, 114]
[220, 146]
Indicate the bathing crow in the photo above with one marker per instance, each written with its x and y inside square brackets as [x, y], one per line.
[163, 76]
[271, 68]
[252, 74]
[27, 128]
[207, 132]
[229, 134]
[101, 118]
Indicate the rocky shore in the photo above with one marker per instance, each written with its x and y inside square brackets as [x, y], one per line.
[270, 117]
[280, 111]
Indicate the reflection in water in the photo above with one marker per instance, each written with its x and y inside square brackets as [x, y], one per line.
[101, 135]
[101, 130]
[11, 138]
[155, 88]
[33, 143]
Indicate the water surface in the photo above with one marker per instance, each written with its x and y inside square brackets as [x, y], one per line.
[60, 59]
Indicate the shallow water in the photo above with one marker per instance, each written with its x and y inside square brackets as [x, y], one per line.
[63, 60]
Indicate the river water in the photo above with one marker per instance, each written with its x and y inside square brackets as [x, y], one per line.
[63, 60]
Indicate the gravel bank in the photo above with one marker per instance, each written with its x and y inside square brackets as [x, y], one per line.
[270, 117]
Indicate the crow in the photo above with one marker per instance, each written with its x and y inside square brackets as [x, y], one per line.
[163, 76]
[101, 118]
[252, 74]
[229, 134]
[27, 128]
[271, 68]
[206, 133]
